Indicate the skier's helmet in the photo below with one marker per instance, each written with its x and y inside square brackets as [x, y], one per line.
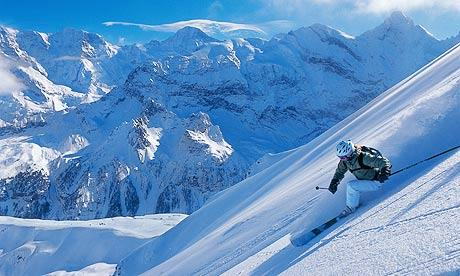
[345, 148]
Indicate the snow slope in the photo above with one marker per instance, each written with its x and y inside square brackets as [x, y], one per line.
[414, 231]
[410, 227]
[36, 247]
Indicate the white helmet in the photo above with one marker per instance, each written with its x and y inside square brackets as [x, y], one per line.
[345, 148]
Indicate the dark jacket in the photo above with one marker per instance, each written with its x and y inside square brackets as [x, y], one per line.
[376, 163]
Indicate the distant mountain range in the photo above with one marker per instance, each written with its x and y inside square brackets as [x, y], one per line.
[99, 130]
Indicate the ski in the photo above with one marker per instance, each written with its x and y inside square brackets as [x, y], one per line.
[308, 235]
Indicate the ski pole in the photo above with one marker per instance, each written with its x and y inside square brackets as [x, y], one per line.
[321, 188]
[429, 158]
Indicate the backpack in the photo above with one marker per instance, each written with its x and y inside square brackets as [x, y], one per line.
[369, 150]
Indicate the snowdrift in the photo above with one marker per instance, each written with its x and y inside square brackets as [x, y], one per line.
[37, 247]
[249, 224]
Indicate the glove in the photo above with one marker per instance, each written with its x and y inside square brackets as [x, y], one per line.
[333, 186]
[387, 170]
[384, 174]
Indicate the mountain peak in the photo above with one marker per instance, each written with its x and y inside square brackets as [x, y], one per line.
[191, 30]
[320, 30]
[398, 27]
[72, 35]
[329, 30]
[188, 39]
[191, 33]
[398, 18]
[74, 42]
[7, 30]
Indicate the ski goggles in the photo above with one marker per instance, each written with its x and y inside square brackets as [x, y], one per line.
[346, 157]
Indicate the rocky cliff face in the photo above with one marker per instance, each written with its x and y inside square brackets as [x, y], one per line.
[130, 157]
[99, 130]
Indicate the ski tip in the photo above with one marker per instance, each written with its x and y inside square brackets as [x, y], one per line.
[302, 240]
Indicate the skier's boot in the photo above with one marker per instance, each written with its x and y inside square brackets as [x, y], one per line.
[348, 210]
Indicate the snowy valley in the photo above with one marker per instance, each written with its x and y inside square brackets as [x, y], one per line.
[38, 247]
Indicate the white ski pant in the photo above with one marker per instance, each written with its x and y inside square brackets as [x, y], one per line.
[355, 187]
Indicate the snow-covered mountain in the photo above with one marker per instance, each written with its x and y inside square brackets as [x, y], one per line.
[408, 227]
[284, 92]
[27, 103]
[185, 118]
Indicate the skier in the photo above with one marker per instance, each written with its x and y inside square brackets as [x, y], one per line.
[366, 164]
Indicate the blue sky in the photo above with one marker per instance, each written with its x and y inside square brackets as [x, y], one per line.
[441, 18]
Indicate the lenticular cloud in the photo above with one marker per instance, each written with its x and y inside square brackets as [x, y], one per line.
[9, 82]
[208, 26]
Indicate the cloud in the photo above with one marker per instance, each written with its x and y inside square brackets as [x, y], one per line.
[291, 7]
[378, 6]
[278, 26]
[210, 27]
[9, 83]
[218, 28]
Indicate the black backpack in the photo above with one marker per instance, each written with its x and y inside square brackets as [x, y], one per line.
[361, 156]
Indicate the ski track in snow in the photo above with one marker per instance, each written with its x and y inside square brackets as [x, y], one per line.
[408, 233]
[223, 263]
